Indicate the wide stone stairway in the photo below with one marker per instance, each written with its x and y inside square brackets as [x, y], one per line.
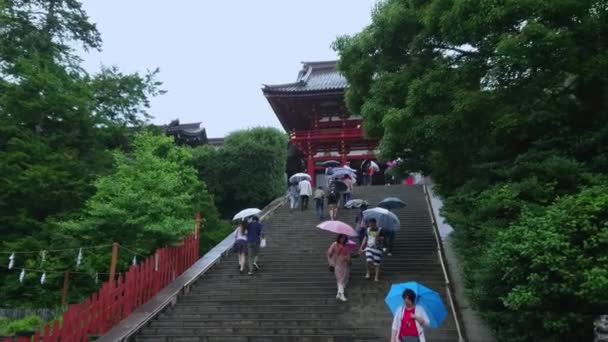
[293, 297]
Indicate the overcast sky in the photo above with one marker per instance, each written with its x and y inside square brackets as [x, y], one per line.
[214, 56]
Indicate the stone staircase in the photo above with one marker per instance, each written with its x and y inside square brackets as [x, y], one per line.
[293, 297]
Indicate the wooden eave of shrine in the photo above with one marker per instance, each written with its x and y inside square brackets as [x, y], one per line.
[317, 92]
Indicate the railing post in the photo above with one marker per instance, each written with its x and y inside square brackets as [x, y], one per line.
[64, 292]
[197, 227]
[113, 262]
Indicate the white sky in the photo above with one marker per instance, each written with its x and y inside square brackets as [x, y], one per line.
[214, 56]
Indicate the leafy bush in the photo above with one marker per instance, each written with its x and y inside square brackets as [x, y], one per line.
[548, 272]
[29, 323]
[149, 201]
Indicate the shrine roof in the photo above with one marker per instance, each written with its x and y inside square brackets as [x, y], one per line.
[314, 77]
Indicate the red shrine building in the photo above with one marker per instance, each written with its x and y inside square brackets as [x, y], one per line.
[313, 112]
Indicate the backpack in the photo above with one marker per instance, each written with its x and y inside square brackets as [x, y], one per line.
[374, 241]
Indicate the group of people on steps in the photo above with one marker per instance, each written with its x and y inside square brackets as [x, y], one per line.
[373, 242]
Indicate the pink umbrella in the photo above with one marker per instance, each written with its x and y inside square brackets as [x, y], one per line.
[337, 227]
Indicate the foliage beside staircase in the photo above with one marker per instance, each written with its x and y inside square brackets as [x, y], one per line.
[504, 104]
[247, 171]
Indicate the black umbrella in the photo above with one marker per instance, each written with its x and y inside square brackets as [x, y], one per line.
[391, 203]
[330, 163]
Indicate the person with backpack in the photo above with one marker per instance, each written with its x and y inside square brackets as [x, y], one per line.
[372, 246]
[338, 256]
[319, 201]
[255, 235]
[305, 193]
[332, 202]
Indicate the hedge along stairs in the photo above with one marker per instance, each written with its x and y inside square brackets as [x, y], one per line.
[292, 298]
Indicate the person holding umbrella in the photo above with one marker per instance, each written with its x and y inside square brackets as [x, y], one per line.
[294, 194]
[338, 256]
[240, 244]
[371, 245]
[409, 320]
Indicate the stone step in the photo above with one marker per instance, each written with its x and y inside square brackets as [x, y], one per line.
[167, 317]
[301, 308]
[260, 338]
[253, 331]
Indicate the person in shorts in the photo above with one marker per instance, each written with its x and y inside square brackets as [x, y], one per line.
[372, 246]
[332, 202]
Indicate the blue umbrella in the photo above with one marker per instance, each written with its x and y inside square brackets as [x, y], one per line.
[425, 297]
[384, 218]
[391, 203]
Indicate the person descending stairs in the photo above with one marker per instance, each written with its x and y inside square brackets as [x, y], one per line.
[293, 297]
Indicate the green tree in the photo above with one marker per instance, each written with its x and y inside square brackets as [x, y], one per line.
[248, 171]
[149, 201]
[58, 126]
[504, 104]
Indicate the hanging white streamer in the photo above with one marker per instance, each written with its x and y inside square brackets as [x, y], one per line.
[42, 278]
[11, 261]
[134, 260]
[79, 258]
[22, 275]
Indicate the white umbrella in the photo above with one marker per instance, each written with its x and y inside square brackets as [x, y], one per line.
[374, 166]
[246, 213]
[355, 203]
[299, 176]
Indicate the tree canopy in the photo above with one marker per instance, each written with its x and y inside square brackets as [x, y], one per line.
[247, 171]
[67, 174]
[505, 104]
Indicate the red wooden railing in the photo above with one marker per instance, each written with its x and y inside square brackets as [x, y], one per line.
[117, 299]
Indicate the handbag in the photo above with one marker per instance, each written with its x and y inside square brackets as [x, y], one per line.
[263, 243]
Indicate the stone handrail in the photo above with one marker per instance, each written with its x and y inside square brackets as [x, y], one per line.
[442, 262]
[182, 284]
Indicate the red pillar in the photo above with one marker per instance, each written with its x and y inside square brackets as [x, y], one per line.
[311, 170]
